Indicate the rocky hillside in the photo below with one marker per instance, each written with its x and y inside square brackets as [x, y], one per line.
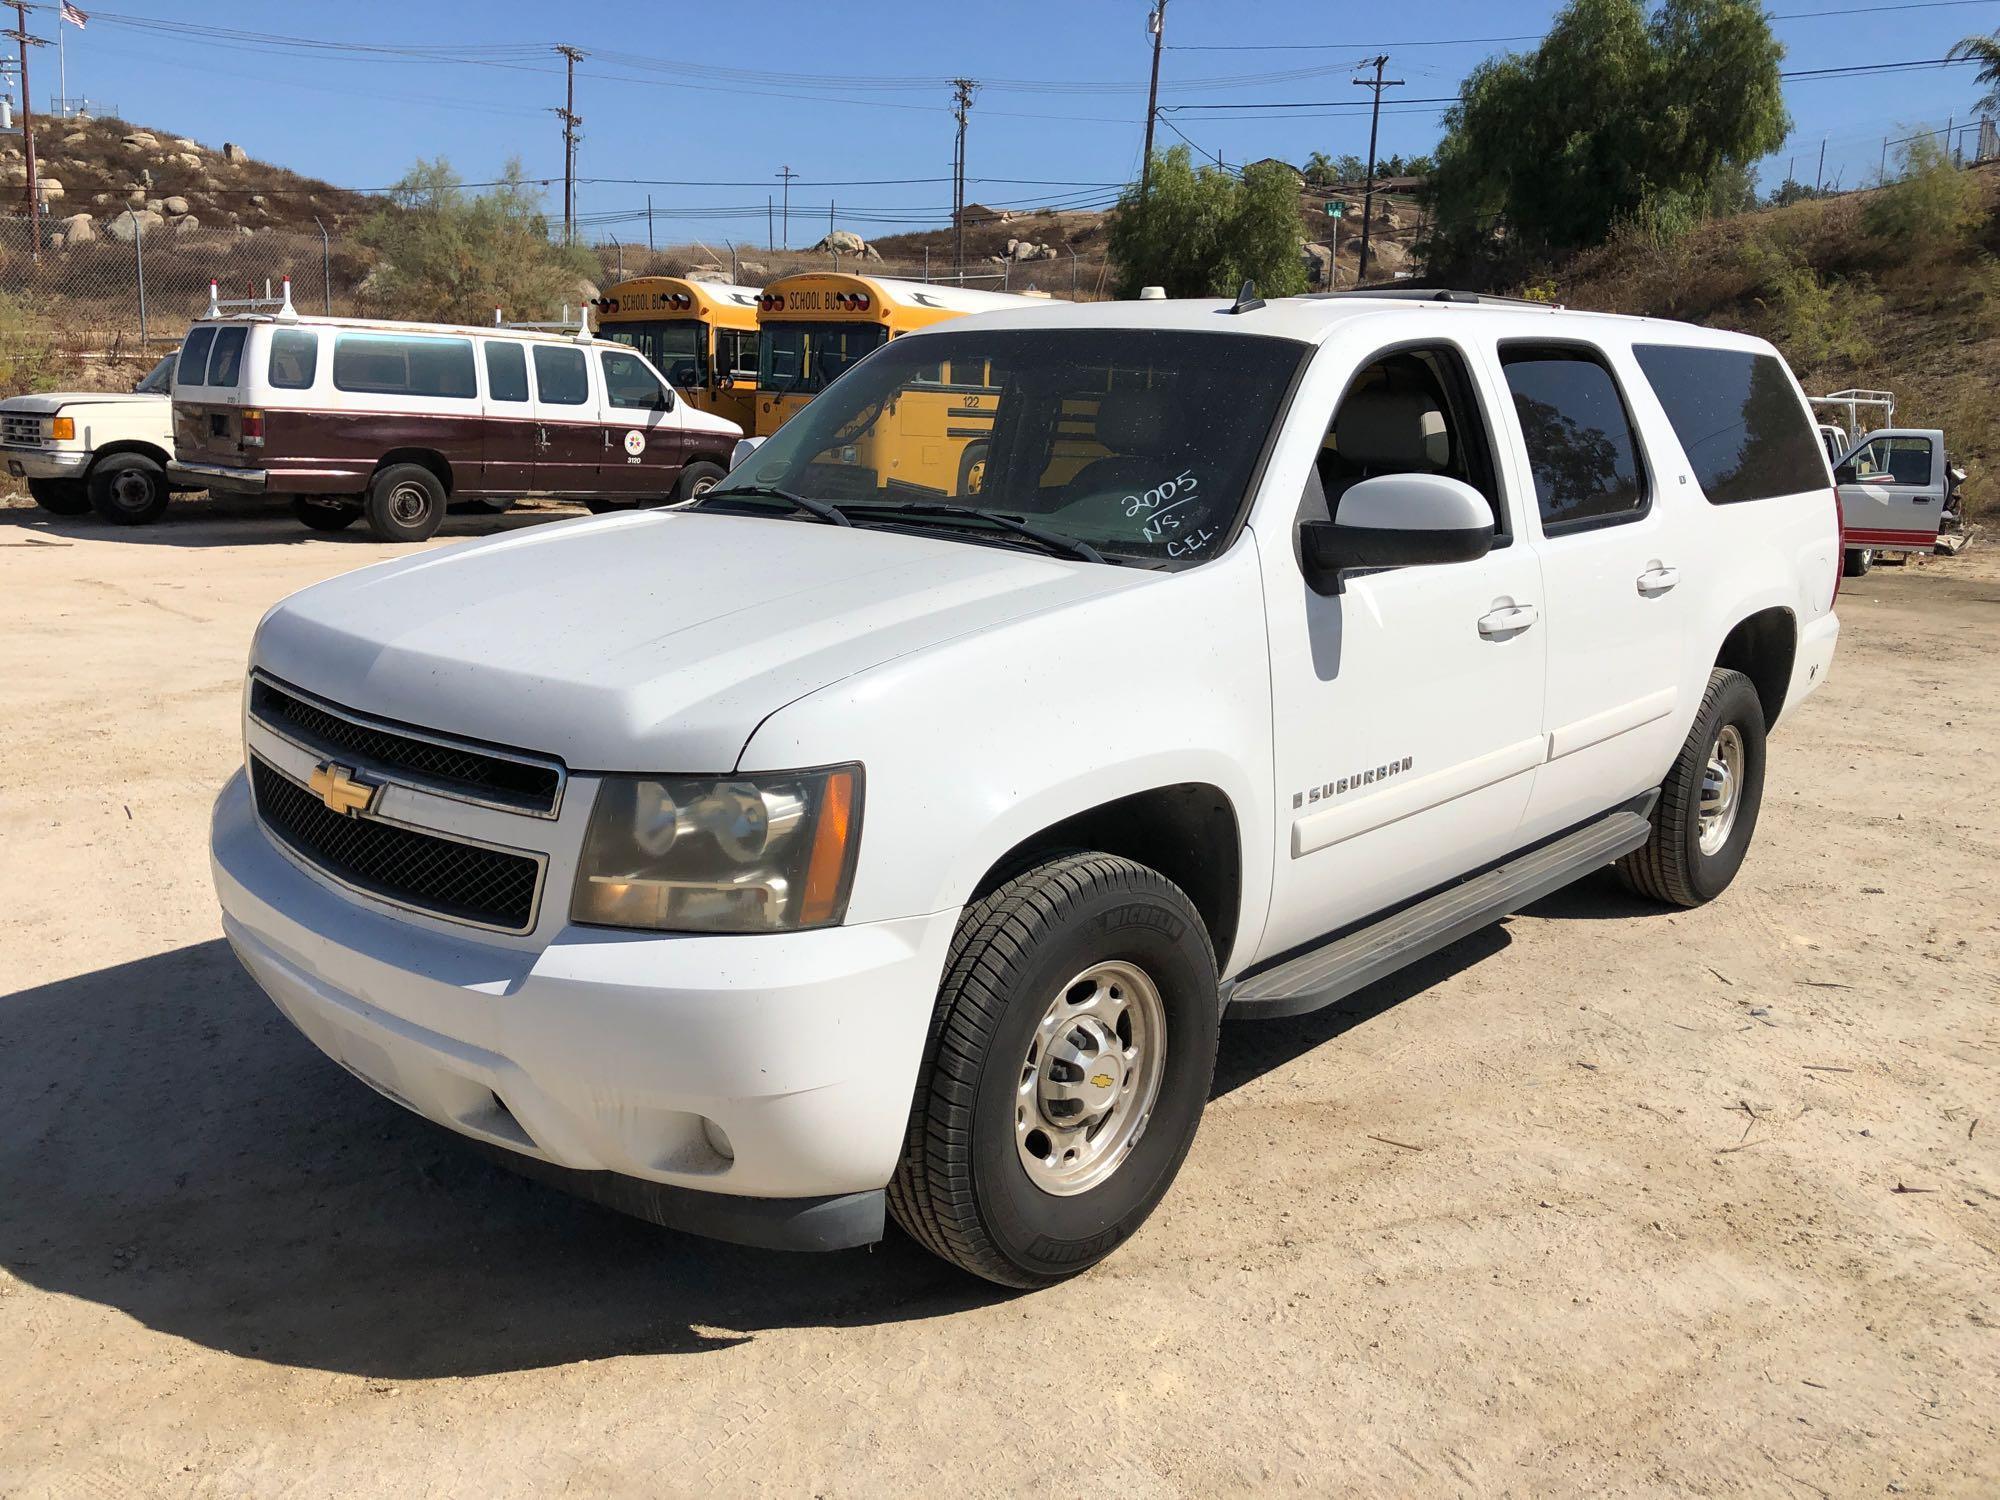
[103, 177]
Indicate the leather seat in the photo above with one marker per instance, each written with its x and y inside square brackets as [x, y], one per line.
[1139, 428]
[1383, 430]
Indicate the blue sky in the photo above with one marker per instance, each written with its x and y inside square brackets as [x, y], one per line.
[852, 94]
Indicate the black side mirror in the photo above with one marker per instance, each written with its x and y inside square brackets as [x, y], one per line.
[1396, 521]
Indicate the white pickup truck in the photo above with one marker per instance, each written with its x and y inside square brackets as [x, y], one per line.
[833, 848]
[101, 450]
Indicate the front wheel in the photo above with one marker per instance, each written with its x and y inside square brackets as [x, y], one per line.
[1857, 561]
[406, 503]
[128, 489]
[696, 480]
[1067, 1064]
[1707, 810]
[60, 497]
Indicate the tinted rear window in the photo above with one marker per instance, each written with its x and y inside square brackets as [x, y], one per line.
[506, 372]
[193, 368]
[225, 365]
[294, 358]
[1739, 421]
[390, 365]
[1581, 447]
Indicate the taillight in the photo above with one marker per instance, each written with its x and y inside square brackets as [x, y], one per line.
[859, 301]
[251, 427]
[62, 429]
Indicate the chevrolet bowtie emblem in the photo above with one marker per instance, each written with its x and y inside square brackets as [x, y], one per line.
[340, 789]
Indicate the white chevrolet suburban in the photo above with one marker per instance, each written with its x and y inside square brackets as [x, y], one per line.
[835, 847]
[102, 450]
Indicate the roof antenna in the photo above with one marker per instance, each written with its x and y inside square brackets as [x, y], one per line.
[1247, 300]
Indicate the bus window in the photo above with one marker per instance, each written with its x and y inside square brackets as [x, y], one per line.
[675, 347]
[796, 359]
[736, 353]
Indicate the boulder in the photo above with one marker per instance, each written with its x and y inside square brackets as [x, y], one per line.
[842, 242]
[1318, 261]
[56, 240]
[869, 252]
[141, 140]
[15, 172]
[189, 159]
[100, 199]
[129, 225]
[256, 200]
[752, 270]
[77, 229]
[185, 144]
[185, 224]
[1387, 257]
[156, 206]
[231, 152]
[48, 189]
[711, 274]
[75, 138]
[174, 207]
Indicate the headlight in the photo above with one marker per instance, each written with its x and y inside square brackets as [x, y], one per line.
[770, 852]
[62, 429]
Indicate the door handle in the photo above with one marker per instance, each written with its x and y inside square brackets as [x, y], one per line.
[1658, 580]
[1506, 621]
[542, 437]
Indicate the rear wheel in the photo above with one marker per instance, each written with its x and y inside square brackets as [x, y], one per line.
[325, 512]
[1857, 561]
[406, 503]
[128, 489]
[60, 497]
[1068, 1061]
[972, 469]
[1707, 811]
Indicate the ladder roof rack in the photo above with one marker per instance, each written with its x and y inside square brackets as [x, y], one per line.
[279, 309]
[578, 327]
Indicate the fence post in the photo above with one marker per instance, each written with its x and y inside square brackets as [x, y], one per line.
[927, 263]
[139, 272]
[325, 268]
[1007, 275]
[1072, 273]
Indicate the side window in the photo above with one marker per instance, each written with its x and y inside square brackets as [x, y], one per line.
[736, 352]
[294, 358]
[193, 367]
[1581, 446]
[560, 375]
[506, 371]
[1738, 420]
[225, 365]
[1895, 460]
[629, 385]
[390, 365]
[1412, 411]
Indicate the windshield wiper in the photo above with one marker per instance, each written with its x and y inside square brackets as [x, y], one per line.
[1052, 541]
[819, 509]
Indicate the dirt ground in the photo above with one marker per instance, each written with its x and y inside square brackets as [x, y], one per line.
[1605, 1199]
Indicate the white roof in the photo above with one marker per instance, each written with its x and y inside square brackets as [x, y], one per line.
[566, 334]
[1313, 319]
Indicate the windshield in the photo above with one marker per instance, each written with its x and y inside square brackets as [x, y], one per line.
[795, 359]
[1140, 444]
[677, 348]
[159, 380]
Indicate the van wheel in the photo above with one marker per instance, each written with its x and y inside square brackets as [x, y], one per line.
[405, 503]
[1857, 561]
[128, 489]
[697, 479]
[60, 497]
[1708, 804]
[1068, 1061]
[322, 513]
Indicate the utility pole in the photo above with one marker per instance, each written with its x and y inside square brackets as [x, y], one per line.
[770, 244]
[1377, 83]
[649, 223]
[1819, 177]
[571, 119]
[786, 219]
[1156, 24]
[20, 34]
[961, 93]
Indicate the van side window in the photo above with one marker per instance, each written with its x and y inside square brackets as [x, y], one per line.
[294, 358]
[225, 365]
[392, 365]
[1581, 445]
[1739, 421]
[629, 385]
[193, 368]
[560, 376]
[1410, 412]
[506, 371]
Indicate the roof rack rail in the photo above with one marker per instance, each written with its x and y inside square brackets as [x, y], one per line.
[278, 308]
[1434, 294]
[577, 327]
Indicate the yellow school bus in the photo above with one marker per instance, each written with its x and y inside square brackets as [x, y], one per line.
[701, 335]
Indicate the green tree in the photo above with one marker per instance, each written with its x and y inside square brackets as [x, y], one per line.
[1204, 231]
[449, 255]
[1931, 207]
[1547, 151]
[1986, 51]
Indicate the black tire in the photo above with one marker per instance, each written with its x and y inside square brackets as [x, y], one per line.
[406, 503]
[60, 497]
[488, 506]
[128, 489]
[972, 462]
[325, 512]
[697, 478]
[1856, 561]
[1671, 866]
[963, 1190]
[605, 507]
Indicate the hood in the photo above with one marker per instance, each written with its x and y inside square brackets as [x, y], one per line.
[49, 402]
[648, 642]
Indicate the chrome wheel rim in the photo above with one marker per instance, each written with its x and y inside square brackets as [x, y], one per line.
[1090, 1079]
[1721, 788]
[702, 486]
[131, 489]
[408, 502]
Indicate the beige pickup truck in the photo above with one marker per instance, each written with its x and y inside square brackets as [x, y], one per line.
[94, 450]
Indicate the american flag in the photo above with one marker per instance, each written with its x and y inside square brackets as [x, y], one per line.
[74, 16]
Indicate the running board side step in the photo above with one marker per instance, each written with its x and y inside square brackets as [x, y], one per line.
[1357, 959]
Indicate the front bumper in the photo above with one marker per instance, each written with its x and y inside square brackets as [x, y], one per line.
[618, 1063]
[46, 463]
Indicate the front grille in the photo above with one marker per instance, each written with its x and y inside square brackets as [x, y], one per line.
[458, 769]
[20, 431]
[464, 882]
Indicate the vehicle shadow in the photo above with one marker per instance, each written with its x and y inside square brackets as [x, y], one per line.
[244, 520]
[170, 1147]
